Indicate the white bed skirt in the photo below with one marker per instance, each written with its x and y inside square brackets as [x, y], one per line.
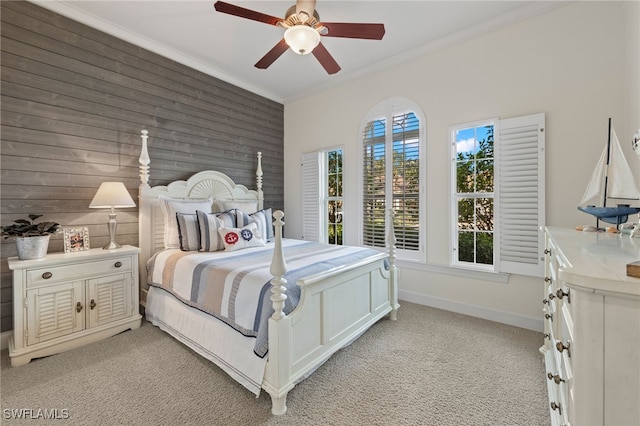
[228, 349]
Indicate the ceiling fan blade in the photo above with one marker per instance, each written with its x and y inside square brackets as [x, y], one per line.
[245, 13]
[272, 55]
[326, 60]
[354, 30]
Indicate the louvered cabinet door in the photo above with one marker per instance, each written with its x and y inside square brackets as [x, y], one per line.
[54, 311]
[109, 299]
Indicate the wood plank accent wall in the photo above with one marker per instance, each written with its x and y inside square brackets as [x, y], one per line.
[74, 100]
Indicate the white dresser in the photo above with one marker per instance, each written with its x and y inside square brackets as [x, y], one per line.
[69, 299]
[592, 328]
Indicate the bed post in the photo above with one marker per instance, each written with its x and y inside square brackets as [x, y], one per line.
[144, 216]
[277, 382]
[259, 182]
[393, 270]
[144, 161]
[278, 269]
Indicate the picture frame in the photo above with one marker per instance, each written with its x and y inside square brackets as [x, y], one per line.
[76, 239]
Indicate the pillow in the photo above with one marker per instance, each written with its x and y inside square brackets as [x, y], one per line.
[247, 206]
[239, 238]
[209, 223]
[263, 218]
[171, 206]
[188, 231]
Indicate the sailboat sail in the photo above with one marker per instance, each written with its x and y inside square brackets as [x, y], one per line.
[621, 184]
[611, 179]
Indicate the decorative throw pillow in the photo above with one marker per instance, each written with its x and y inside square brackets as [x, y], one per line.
[264, 220]
[242, 219]
[239, 238]
[209, 223]
[188, 231]
[171, 206]
[247, 206]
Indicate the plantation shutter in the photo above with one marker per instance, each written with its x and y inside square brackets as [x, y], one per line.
[311, 196]
[405, 180]
[521, 194]
[374, 183]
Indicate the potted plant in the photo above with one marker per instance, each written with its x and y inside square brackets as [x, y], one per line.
[32, 239]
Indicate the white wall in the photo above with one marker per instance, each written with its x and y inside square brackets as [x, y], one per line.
[631, 10]
[569, 63]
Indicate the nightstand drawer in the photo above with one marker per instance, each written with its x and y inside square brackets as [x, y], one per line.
[43, 276]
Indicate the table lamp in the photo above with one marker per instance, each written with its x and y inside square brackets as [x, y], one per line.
[112, 195]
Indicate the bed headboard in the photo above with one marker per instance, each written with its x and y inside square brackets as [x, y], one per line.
[205, 184]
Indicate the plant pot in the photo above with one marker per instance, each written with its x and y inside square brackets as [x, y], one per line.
[32, 247]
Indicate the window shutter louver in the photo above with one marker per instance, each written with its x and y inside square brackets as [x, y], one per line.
[521, 194]
[311, 196]
[406, 180]
[374, 184]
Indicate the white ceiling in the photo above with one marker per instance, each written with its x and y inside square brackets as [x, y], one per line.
[227, 47]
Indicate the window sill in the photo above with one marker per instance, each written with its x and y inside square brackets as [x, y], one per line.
[498, 277]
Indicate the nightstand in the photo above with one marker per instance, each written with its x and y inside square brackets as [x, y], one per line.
[66, 300]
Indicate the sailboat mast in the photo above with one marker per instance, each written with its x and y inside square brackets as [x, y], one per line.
[606, 175]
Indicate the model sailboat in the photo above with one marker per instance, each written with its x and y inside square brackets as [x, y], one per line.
[611, 180]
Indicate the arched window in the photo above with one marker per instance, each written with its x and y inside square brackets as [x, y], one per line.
[393, 176]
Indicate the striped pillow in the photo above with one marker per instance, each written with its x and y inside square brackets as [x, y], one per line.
[209, 223]
[263, 218]
[188, 231]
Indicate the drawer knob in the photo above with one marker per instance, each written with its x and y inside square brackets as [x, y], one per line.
[78, 307]
[547, 251]
[547, 336]
[47, 275]
[555, 378]
[92, 304]
[561, 347]
[547, 279]
[545, 301]
[551, 296]
[555, 406]
[549, 316]
[118, 264]
[560, 294]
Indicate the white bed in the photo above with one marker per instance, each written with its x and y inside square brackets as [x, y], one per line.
[335, 306]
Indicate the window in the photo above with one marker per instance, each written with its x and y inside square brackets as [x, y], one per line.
[498, 196]
[322, 176]
[332, 202]
[393, 175]
[473, 194]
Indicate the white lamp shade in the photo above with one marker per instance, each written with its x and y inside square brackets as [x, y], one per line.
[302, 39]
[112, 194]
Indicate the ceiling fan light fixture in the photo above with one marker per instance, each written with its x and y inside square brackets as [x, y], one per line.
[302, 39]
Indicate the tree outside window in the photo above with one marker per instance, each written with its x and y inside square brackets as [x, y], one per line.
[474, 194]
[334, 196]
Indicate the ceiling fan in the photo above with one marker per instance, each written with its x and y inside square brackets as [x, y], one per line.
[303, 31]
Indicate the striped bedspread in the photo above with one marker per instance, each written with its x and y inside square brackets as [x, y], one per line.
[235, 286]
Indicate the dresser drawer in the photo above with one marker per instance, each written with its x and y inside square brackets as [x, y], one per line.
[43, 276]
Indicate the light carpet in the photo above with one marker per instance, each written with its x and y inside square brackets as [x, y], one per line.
[430, 367]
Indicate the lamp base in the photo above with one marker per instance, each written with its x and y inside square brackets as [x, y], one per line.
[112, 246]
[112, 225]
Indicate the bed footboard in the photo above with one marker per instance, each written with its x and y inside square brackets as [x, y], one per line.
[335, 308]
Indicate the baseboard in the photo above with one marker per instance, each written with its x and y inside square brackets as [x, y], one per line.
[535, 324]
[4, 339]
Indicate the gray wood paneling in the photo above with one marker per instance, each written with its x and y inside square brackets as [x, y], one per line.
[74, 100]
